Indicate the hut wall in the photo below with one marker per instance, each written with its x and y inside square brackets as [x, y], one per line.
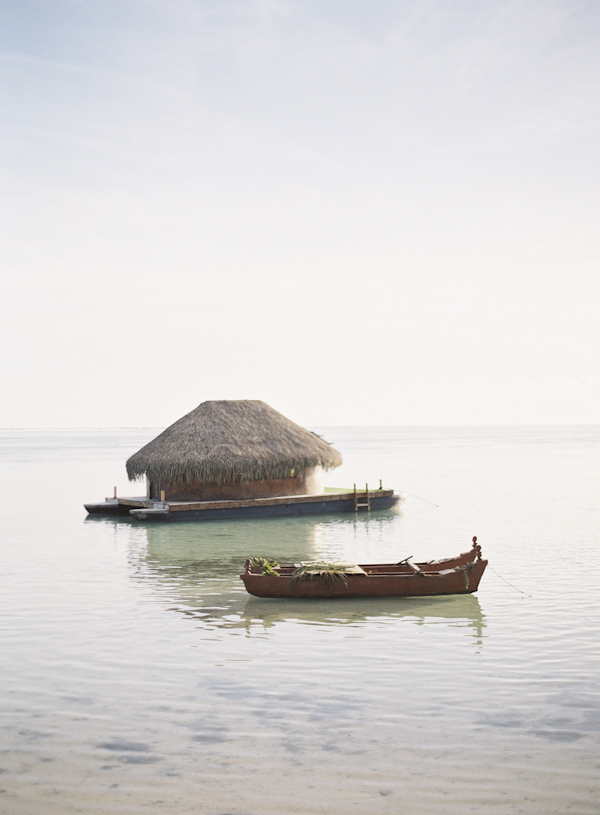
[309, 482]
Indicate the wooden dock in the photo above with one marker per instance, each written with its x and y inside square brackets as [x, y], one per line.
[145, 509]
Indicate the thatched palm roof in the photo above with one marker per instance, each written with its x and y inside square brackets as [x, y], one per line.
[224, 441]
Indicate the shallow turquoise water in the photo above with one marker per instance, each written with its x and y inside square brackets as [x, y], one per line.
[138, 676]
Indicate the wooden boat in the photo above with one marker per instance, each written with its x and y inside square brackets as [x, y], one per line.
[458, 575]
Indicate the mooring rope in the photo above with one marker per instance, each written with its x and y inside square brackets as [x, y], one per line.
[507, 582]
[418, 497]
[463, 518]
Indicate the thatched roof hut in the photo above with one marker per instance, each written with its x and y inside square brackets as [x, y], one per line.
[232, 449]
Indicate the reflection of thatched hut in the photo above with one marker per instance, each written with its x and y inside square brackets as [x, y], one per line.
[230, 450]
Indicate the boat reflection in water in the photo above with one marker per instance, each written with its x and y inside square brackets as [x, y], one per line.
[194, 569]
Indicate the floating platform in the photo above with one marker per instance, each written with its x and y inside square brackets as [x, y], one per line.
[335, 500]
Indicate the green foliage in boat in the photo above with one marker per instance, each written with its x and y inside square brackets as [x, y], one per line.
[328, 572]
[268, 565]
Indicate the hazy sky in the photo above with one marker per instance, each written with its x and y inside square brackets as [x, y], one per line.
[360, 211]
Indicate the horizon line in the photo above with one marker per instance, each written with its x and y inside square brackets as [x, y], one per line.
[428, 424]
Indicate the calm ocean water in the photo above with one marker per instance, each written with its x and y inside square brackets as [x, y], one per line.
[136, 675]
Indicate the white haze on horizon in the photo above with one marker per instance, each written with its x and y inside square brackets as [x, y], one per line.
[363, 213]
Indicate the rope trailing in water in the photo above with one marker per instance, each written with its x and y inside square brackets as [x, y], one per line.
[506, 581]
[418, 497]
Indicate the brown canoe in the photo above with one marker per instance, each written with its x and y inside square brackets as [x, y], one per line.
[458, 575]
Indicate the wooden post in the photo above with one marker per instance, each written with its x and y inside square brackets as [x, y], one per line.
[355, 500]
[380, 483]
[162, 496]
[115, 492]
